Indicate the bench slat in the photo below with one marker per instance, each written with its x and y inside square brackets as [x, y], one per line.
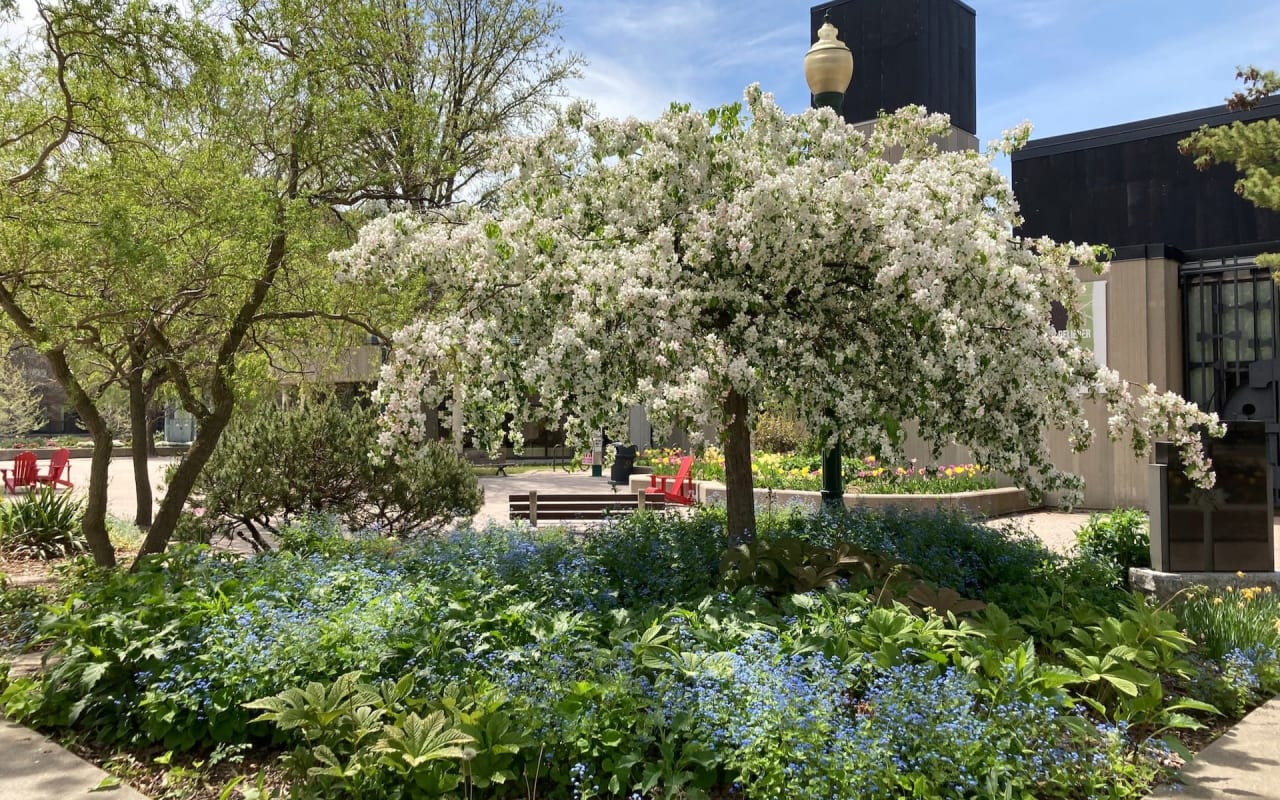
[555, 516]
[578, 507]
[590, 505]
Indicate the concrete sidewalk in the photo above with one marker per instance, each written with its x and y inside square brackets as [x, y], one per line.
[34, 768]
[1242, 763]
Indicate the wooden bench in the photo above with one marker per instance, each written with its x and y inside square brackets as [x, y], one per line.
[582, 507]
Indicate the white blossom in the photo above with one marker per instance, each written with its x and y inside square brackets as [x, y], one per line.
[666, 263]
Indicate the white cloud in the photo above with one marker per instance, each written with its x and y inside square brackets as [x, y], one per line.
[617, 90]
[643, 56]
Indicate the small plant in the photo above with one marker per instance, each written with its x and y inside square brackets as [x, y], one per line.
[1121, 539]
[18, 607]
[777, 433]
[360, 740]
[789, 566]
[1222, 620]
[42, 525]
[20, 410]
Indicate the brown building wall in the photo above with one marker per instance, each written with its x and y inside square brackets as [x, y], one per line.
[1144, 344]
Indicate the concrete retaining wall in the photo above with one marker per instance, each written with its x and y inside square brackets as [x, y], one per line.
[985, 503]
[119, 451]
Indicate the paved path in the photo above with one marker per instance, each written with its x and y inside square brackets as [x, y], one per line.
[34, 768]
[1244, 763]
[121, 498]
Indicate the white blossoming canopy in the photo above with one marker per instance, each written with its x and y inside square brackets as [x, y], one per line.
[781, 259]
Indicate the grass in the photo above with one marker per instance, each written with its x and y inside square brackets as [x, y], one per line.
[512, 469]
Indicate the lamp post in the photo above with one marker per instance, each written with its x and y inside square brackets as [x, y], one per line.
[828, 68]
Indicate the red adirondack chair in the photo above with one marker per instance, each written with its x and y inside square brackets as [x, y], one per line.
[676, 488]
[24, 473]
[59, 473]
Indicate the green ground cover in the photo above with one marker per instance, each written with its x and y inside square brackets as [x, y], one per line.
[869, 655]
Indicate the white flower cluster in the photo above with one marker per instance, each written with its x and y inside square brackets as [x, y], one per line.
[664, 263]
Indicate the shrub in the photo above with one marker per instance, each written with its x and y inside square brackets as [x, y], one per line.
[948, 548]
[42, 525]
[19, 399]
[777, 433]
[648, 558]
[1120, 538]
[274, 465]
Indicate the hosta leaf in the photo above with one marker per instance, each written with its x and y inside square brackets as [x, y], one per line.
[1123, 685]
[92, 674]
[1189, 704]
[1174, 719]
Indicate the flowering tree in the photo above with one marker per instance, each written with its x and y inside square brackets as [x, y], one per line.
[707, 268]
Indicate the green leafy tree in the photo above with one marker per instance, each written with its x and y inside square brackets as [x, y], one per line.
[171, 229]
[1253, 148]
[20, 410]
[89, 66]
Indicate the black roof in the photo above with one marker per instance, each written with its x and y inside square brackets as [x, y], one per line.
[1129, 186]
[1181, 123]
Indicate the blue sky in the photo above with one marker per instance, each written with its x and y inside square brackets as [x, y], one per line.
[1065, 65]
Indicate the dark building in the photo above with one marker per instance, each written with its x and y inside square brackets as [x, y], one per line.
[1128, 186]
[1198, 314]
[907, 52]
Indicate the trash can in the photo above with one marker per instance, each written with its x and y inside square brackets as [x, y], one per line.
[624, 458]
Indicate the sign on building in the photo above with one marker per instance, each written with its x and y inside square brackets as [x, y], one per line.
[1092, 332]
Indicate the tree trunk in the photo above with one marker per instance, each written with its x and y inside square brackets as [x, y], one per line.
[223, 397]
[155, 414]
[141, 436]
[94, 525]
[183, 480]
[95, 509]
[740, 503]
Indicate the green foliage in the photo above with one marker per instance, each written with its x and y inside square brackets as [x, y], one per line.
[783, 567]
[1121, 663]
[1237, 634]
[948, 549]
[20, 410]
[43, 524]
[1253, 148]
[361, 740]
[649, 558]
[793, 566]
[1120, 539]
[508, 662]
[275, 464]
[18, 614]
[1227, 619]
[778, 433]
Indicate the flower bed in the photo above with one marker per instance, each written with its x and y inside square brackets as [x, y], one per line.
[620, 665]
[981, 503]
[793, 471]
